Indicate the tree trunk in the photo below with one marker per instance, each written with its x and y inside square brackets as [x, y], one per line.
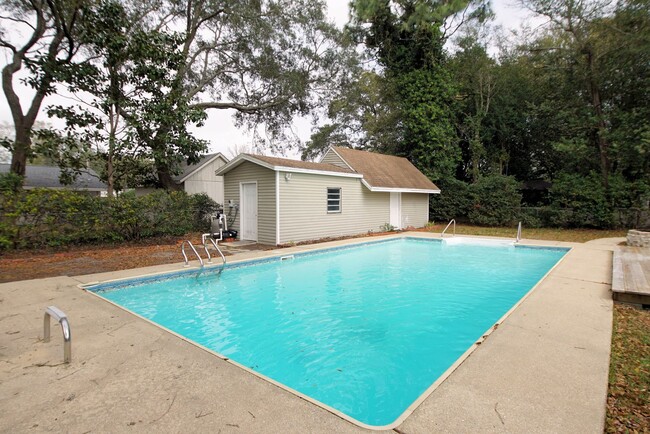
[602, 144]
[110, 178]
[165, 178]
[22, 147]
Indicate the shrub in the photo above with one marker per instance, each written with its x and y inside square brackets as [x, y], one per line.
[495, 200]
[580, 201]
[453, 201]
[10, 182]
[58, 217]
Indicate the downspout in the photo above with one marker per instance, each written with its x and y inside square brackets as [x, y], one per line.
[277, 207]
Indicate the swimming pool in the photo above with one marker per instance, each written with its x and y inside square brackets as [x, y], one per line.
[364, 330]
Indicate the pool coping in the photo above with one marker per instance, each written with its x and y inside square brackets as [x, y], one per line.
[277, 254]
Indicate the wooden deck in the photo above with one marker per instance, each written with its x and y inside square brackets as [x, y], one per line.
[631, 275]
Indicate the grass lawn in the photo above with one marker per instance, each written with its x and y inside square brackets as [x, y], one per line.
[628, 401]
[552, 234]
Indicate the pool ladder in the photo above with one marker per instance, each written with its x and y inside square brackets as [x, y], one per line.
[442, 234]
[518, 233]
[206, 246]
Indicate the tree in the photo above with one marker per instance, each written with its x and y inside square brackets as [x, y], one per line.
[266, 60]
[406, 38]
[575, 23]
[51, 26]
[363, 114]
[120, 87]
[475, 76]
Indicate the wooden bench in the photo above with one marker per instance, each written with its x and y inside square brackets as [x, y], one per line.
[631, 275]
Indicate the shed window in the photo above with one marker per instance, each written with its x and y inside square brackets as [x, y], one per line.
[333, 199]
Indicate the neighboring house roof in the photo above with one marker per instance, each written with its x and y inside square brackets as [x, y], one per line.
[287, 165]
[188, 170]
[48, 177]
[386, 172]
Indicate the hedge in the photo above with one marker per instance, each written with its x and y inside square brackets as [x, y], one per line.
[576, 201]
[43, 217]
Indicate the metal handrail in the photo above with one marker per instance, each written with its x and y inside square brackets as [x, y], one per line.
[447, 227]
[518, 233]
[62, 318]
[187, 263]
[215, 244]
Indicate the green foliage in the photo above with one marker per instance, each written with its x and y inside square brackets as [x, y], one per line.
[364, 116]
[495, 200]
[130, 75]
[492, 201]
[10, 182]
[429, 141]
[453, 202]
[37, 218]
[584, 197]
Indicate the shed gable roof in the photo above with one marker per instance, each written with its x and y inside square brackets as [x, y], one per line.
[288, 165]
[378, 172]
[386, 172]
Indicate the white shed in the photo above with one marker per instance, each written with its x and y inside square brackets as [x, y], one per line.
[276, 200]
[202, 177]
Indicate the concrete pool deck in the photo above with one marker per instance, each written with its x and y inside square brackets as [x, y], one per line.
[544, 369]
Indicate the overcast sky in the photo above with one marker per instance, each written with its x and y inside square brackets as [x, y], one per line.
[219, 129]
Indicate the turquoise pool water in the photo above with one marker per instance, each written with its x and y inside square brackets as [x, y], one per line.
[365, 330]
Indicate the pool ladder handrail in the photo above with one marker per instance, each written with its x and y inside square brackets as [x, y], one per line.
[62, 318]
[215, 243]
[442, 234]
[518, 233]
[187, 263]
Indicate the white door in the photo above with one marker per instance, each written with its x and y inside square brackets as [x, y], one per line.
[396, 210]
[248, 211]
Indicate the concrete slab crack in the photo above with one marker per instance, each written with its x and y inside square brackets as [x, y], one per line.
[166, 411]
[496, 410]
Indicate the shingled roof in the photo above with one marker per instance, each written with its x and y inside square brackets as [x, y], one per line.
[298, 164]
[188, 169]
[378, 172]
[386, 171]
[48, 177]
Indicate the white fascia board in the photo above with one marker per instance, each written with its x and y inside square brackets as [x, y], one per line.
[219, 154]
[397, 190]
[316, 172]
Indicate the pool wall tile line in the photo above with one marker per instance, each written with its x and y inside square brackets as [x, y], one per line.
[214, 269]
[276, 256]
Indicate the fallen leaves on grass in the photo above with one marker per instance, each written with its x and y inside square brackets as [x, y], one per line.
[628, 401]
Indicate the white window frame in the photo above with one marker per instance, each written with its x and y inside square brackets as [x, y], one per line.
[340, 200]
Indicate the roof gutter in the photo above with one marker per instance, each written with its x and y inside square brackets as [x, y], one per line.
[398, 189]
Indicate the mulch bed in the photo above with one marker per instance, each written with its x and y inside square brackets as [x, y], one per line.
[74, 261]
[79, 260]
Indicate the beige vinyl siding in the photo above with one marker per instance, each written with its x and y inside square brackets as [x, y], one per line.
[415, 209]
[249, 172]
[332, 158]
[303, 208]
[205, 181]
